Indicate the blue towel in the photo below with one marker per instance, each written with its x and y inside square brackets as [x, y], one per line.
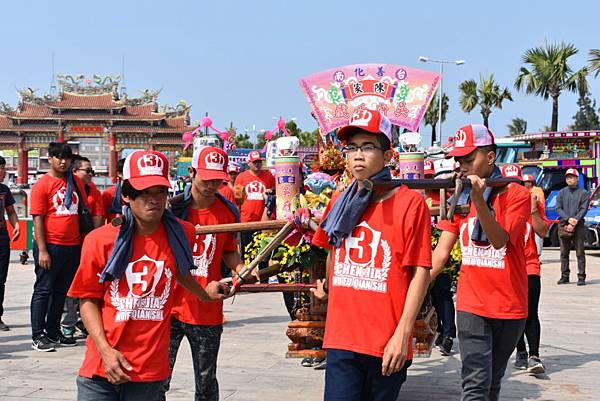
[465, 199]
[70, 188]
[349, 208]
[121, 254]
[115, 206]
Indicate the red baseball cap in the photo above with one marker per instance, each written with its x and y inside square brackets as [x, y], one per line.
[469, 138]
[146, 168]
[368, 120]
[428, 167]
[528, 177]
[572, 171]
[210, 163]
[254, 156]
[512, 171]
[233, 168]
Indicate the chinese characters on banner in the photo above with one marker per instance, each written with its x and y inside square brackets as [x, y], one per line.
[401, 93]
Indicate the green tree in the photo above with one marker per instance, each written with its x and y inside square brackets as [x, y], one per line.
[547, 74]
[594, 61]
[487, 95]
[518, 126]
[432, 114]
[309, 138]
[586, 117]
[242, 141]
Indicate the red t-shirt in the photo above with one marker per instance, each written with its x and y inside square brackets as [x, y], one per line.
[61, 225]
[107, 198]
[94, 200]
[254, 189]
[370, 273]
[136, 308]
[227, 192]
[208, 253]
[493, 282]
[531, 256]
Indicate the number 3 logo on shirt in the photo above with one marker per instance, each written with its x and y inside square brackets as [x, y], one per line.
[360, 247]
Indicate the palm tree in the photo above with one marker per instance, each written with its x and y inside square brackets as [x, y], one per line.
[432, 114]
[518, 126]
[548, 74]
[486, 95]
[594, 61]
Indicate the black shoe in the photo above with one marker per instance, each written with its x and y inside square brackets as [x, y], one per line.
[535, 366]
[521, 361]
[42, 344]
[563, 280]
[581, 281]
[446, 346]
[322, 365]
[3, 326]
[63, 341]
[438, 340]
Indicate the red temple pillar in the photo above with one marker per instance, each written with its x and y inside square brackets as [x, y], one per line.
[112, 157]
[61, 136]
[23, 166]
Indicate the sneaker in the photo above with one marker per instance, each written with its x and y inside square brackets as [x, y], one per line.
[563, 280]
[3, 326]
[446, 346]
[521, 361]
[438, 341]
[535, 366]
[81, 327]
[581, 281]
[68, 331]
[322, 365]
[63, 341]
[42, 344]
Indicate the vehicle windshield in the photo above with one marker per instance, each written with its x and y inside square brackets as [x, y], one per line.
[595, 199]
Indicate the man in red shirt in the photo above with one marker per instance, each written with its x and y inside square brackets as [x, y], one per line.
[57, 246]
[202, 322]
[536, 226]
[491, 299]
[82, 169]
[127, 311]
[378, 270]
[255, 182]
[111, 196]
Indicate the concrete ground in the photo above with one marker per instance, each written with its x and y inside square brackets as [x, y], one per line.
[252, 365]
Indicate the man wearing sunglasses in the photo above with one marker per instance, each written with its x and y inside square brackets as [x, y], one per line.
[82, 169]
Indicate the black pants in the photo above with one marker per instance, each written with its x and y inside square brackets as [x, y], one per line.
[577, 239]
[4, 262]
[204, 342]
[50, 288]
[532, 325]
[441, 296]
[485, 347]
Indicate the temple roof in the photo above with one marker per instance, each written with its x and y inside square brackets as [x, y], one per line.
[80, 101]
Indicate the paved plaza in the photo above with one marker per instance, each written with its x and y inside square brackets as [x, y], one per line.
[252, 365]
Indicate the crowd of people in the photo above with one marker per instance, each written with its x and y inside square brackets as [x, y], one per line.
[133, 274]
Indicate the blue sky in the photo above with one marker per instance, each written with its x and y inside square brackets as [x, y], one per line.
[241, 60]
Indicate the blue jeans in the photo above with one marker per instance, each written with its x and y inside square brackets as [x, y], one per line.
[441, 297]
[351, 376]
[99, 389]
[50, 288]
[204, 342]
[485, 347]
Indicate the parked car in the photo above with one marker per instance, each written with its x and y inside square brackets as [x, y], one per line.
[552, 180]
[592, 220]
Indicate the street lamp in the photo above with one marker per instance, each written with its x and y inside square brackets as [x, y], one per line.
[441, 63]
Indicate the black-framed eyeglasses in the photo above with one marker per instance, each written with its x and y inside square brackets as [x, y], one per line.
[365, 148]
[87, 170]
